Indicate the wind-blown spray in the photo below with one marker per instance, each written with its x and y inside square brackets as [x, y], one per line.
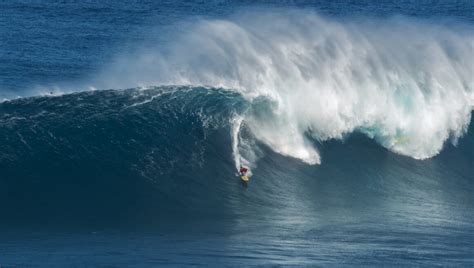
[407, 84]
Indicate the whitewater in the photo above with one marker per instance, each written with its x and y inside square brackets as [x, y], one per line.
[405, 83]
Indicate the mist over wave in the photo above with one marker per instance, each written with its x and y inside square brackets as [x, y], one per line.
[405, 83]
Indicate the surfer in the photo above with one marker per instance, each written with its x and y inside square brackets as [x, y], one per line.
[243, 171]
[243, 174]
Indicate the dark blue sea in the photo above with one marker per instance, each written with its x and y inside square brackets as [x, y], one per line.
[123, 125]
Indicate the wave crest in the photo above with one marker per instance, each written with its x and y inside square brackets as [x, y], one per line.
[407, 84]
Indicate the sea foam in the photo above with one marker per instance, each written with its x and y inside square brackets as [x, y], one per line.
[405, 83]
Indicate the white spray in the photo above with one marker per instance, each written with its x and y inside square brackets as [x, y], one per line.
[236, 123]
[407, 84]
[248, 156]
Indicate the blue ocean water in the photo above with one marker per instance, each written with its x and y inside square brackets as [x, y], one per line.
[123, 124]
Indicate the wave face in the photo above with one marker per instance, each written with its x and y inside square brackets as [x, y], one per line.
[86, 147]
[405, 83]
[165, 159]
[100, 151]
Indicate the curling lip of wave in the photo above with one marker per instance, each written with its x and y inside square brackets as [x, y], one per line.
[405, 83]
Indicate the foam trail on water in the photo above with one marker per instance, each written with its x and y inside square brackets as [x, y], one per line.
[405, 83]
[236, 123]
[244, 150]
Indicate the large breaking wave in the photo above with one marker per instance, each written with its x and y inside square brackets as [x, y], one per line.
[149, 155]
[255, 89]
[408, 84]
[405, 83]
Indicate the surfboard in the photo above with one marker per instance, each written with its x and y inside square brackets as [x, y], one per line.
[244, 178]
